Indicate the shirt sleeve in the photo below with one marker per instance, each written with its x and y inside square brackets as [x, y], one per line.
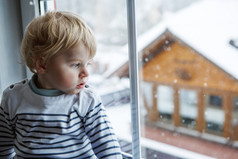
[100, 132]
[6, 134]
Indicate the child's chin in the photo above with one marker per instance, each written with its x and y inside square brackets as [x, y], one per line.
[73, 91]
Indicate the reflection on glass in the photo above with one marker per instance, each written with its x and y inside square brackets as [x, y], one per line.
[214, 114]
[188, 107]
[165, 103]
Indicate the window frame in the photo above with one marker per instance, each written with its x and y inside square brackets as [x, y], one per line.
[134, 78]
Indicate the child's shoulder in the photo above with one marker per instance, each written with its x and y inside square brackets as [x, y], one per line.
[90, 91]
[16, 87]
[88, 99]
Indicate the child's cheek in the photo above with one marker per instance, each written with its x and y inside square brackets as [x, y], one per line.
[69, 80]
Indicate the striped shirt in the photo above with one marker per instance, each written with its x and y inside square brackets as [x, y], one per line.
[62, 126]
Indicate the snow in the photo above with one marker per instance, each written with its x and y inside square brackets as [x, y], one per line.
[120, 117]
[112, 57]
[108, 85]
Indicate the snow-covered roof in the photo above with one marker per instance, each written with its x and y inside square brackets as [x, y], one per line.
[207, 26]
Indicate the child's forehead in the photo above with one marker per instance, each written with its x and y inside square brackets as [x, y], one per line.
[77, 53]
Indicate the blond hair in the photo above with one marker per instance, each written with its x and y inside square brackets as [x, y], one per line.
[48, 35]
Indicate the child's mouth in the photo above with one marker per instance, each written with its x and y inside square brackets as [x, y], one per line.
[81, 85]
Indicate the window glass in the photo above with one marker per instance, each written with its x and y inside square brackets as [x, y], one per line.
[46, 5]
[235, 112]
[165, 104]
[234, 119]
[148, 96]
[214, 114]
[188, 107]
[215, 101]
[188, 73]
[185, 55]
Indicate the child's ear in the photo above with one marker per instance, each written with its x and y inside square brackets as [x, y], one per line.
[40, 65]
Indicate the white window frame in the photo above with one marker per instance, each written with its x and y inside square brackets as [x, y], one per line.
[134, 79]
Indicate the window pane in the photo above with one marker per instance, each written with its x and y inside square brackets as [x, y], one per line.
[188, 108]
[165, 103]
[235, 112]
[214, 114]
[148, 97]
[188, 73]
[234, 120]
[189, 62]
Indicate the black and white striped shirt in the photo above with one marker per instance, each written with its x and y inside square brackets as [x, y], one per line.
[63, 126]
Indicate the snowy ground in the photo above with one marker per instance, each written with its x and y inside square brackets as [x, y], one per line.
[120, 117]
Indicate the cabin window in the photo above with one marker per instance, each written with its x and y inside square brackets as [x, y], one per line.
[235, 112]
[234, 119]
[215, 101]
[214, 114]
[165, 104]
[188, 107]
[148, 96]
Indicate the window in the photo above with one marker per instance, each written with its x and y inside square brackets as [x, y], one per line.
[234, 120]
[215, 101]
[165, 104]
[214, 114]
[148, 98]
[188, 108]
[185, 86]
[46, 5]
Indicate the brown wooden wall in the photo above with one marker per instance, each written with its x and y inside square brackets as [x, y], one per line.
[180, 65]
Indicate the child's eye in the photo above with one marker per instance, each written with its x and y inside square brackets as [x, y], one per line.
[76, 65]
[90, 63]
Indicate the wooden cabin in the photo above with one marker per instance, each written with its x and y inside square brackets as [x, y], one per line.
[182, 88]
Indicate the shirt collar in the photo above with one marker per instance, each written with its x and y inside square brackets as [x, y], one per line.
[43, 92]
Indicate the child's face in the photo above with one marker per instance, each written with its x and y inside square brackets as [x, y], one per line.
[68, 71]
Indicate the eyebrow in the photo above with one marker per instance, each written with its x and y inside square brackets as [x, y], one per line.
[71, 57]
[74, 59]
[77, 59]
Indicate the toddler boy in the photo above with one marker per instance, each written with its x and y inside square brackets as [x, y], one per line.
[56, 114]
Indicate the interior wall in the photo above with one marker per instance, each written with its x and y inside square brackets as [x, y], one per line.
[11, 67]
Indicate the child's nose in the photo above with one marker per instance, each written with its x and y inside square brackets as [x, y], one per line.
[84, 72]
